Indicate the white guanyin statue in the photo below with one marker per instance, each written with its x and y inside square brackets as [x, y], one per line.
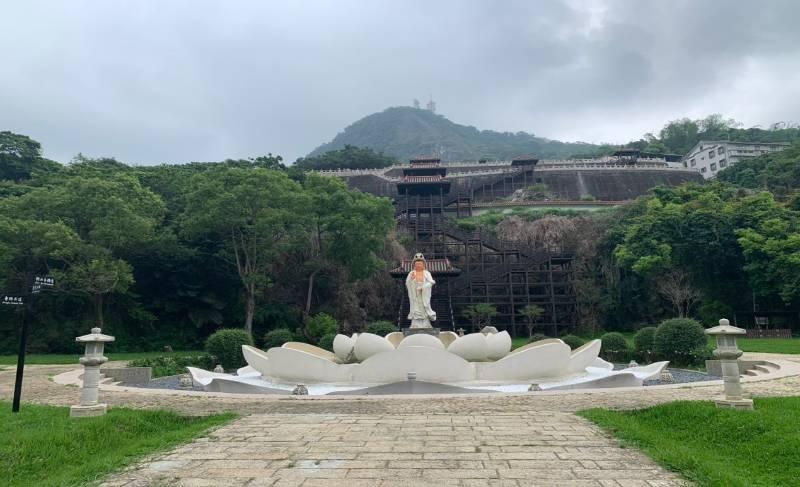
[419, 284]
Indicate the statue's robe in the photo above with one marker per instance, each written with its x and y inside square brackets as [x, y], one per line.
[419, 299]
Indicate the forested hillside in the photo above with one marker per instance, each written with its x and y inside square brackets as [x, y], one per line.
[405, 132]
[165, 255]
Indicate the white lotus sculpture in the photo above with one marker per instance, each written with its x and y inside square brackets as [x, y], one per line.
[474, 361]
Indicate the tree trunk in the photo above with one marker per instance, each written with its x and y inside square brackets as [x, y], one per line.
[98, 311]
[307, 311]
[250, 308]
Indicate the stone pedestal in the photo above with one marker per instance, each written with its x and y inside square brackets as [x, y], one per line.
[87, 411]
[427, 331]
[91, 361]
[728, 354]
[734, 403]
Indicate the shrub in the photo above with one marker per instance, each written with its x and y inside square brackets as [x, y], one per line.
[165, 365]
[381, 328]
[326, 342]
[320, 325]
[226, 346]
[276, 338]
[537, 337]
[680, 340]
[614, 346]
[644, 339]
[573, 341]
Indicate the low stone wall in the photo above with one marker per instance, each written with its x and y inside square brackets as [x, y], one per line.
[129, 375]
[714, 367]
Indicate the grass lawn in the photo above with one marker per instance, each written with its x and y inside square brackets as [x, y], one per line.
[715, 447]
[55, 359]
[42, 446]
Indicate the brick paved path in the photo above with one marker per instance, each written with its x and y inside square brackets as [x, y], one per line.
[353, 450]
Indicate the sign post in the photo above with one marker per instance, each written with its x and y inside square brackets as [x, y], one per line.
[39, 282]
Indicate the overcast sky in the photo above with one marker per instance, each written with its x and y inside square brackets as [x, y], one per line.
[178, 81]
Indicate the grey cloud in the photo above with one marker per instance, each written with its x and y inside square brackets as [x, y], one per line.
[151, 81]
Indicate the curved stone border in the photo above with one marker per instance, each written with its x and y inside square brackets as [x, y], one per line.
[785, 368]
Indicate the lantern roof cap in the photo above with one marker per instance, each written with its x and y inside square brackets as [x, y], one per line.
[95, 336]
[725, 328]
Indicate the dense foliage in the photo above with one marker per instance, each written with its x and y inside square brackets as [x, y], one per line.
[350, 157]
[164, 255]
[679, 136]
[573, 341]
[405, 132]
[644, 340]
[276, 338]
[381, 328]
[680, 340]
[174, 364]
[225, 346]
[777, 172]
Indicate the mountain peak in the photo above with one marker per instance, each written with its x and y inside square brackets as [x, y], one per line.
[406, 132]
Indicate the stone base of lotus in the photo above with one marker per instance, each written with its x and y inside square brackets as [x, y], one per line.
[370, 364]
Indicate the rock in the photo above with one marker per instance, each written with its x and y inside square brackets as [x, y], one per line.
[300, 390]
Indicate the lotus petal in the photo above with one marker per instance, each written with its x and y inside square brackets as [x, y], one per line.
[256, 359]
[430, 365]
[247, 371]
[583, 357]
[368, 344]
[395, 338]
[486, 330]
[312, 349]
[499, 344]
[470, 347]
[549, 360]
[343, 347]
[597, 381]
[602, 364]
[447, 337]
[421, 340]
[647, 371]
[291, 365]
[535, 344]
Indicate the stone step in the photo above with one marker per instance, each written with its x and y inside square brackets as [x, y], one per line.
[762, 369]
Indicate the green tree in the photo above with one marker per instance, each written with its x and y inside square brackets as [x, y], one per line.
[480, 314]
[254, 215]
[680, 135]
[350, 157]
[531, 313]
[21, 157]
[347, 230]
[111, 218]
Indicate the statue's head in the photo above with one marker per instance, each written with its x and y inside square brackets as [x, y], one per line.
[419, 262]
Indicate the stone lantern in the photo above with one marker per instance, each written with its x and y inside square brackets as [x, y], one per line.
[91, 361]
[728, 353]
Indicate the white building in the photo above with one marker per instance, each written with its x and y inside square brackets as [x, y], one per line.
[711, 156]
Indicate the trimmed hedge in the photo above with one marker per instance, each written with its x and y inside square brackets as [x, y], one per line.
[573, 341]
[381, 328]
[320, 325]
[644, 340]
[326, 342]
[682, 341]
[277, 337]
[614, 347]
[226, 346]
